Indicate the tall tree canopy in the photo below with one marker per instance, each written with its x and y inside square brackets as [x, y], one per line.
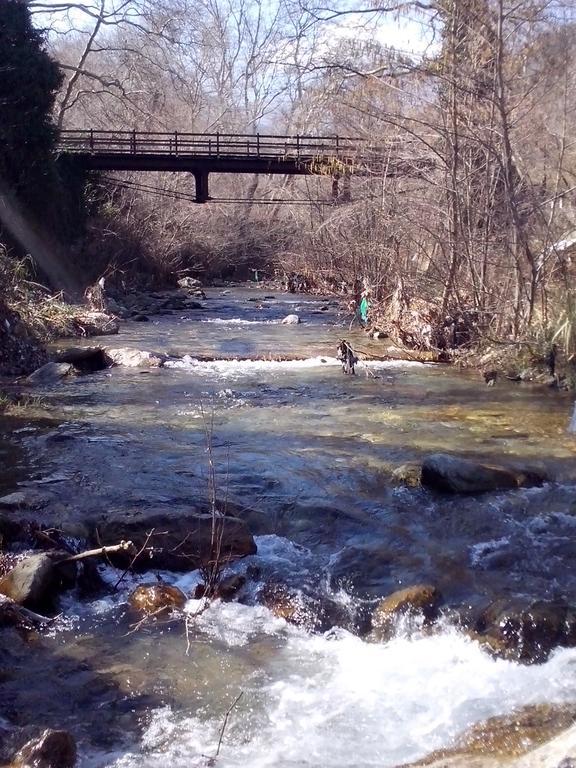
[29, 81]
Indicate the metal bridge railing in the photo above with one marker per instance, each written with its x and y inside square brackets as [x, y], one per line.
[207, 145]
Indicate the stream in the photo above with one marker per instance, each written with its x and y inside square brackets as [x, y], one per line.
[306, 456]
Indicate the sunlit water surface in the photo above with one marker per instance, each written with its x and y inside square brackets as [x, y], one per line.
[306, 455]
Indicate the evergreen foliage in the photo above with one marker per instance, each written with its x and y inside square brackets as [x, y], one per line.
[29, 80]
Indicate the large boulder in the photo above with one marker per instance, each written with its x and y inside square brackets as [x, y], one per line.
[526, 632]
[135, 358]
[176, 542]
[451, 474]
[419, 602]
[36, 580]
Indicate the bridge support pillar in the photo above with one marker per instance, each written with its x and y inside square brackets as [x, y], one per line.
[201, 179]
[341, 194]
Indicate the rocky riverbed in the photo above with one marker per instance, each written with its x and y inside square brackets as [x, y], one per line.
[378, 563]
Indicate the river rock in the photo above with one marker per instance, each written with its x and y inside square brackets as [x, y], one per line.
[51, 749]
[178, 542]
[536, 735]
[135, 358]
[224, 589]
[157, 598]
[311, 613]
[95, 324]
[407, 474]
[50, 373]
[451, 474]
[365, 570]
[291, 320]
[524, 632]
[419, 602]
[189, 283]
[35, 581]
[13, 500]
[84, 359]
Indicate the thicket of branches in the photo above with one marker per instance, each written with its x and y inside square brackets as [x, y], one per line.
[482, 117]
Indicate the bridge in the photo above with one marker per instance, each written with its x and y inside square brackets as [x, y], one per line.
[201, 154]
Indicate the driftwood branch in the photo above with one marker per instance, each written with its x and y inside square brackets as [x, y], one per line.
[24, 613]
[212, 760]
[124, 546]
[136, 556]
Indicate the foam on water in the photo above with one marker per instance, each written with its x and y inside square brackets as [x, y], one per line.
[238, 368]
[238, 321]
[338, 702]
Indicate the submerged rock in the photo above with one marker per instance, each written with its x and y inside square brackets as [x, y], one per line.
[407, 474]
[451, 474]
[157, 598]
[419, 602]
[365, 570]
[135, 358]
[50, 373]
[524, 632]
[311, 613]
[176, 542]
[291, 320]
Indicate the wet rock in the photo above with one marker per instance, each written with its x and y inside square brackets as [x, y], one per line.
[51, 749]
[544, 733]
[229, 586]
[178, 542]
[291, 320]
[140, 318]
[311, 613]
[13, 500]
[84, 359]
[117, 309]
[526, 632]
[420, 602]
[50, 373]
[36, 580]
[407, 474]
[365, 570]
[157, 598]
[451, 474]
[135, 358]
[15, 616]
[225, 589]
[190, 283]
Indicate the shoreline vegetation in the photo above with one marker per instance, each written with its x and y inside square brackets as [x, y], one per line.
[464, 245]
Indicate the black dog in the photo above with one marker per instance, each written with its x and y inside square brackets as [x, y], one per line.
[347, 356]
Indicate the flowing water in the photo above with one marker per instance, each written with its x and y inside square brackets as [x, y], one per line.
[305, 455]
